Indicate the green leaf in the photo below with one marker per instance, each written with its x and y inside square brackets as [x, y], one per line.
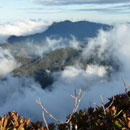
[118, 124]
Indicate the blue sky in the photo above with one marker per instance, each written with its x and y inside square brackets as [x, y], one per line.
[108, 11]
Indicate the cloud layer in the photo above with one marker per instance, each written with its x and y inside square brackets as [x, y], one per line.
[22, 28]
[73, 2]
[31, 48]
[107, 11]
[7, 62]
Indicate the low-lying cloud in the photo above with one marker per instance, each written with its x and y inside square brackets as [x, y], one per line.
[22, 28]
[114, 44]
[7, 62]
[31, 48]
[75, 77]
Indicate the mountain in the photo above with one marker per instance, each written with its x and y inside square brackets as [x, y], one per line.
[65, 29]
[41, 69]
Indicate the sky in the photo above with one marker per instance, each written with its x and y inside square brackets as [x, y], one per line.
[108, 11]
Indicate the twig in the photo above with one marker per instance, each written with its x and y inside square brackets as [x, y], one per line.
[71, 127]
[103, 104]
[126, 88]
[96, 105]
[75, 105]
[111, 102]
[77, 99]
[43, 115]
[39, 102]
[80, 97]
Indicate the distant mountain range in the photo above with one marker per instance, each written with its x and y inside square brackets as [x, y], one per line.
[65, 29]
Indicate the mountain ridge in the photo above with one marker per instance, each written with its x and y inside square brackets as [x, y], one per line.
[65, 29]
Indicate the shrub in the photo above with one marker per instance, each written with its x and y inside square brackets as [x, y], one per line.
[114, 115]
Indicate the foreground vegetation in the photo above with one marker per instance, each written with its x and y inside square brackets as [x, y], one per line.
[114, 115]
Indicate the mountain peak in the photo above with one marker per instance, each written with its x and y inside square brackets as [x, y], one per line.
[64, 29]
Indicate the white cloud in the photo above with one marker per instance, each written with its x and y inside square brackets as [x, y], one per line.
[114, 43]
[30, 48]
[73, 2]
[52, 44]
[75, 78]
[22, 28]
[7, 62]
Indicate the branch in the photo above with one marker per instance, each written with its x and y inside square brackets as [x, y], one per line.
[103, 104]
[38, 101]
[43, 115]
[77, 99]
[126, 88]
[113, 98]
